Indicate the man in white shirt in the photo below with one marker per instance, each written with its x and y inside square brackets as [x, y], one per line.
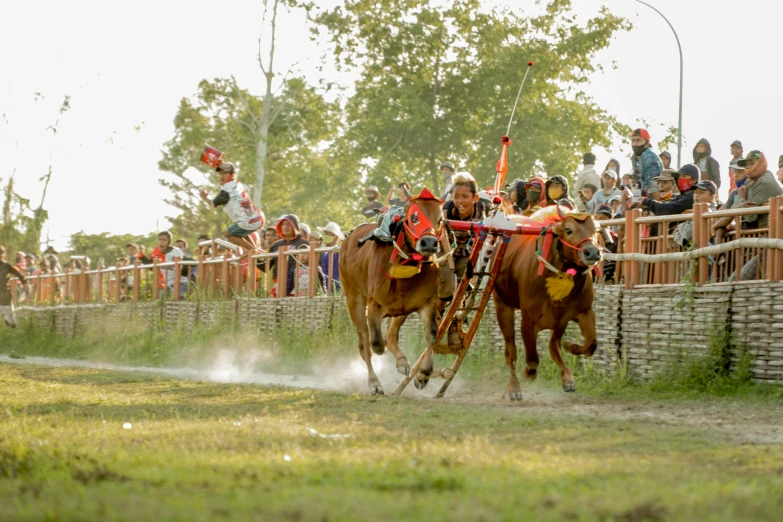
[586, 176]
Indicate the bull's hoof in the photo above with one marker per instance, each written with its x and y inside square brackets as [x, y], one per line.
[403, 367]
[378, 348]
[421, 381]
[376, 388]
[515, 396]
[530, 373]
[569, 387]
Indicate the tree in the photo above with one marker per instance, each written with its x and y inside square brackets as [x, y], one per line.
[105, 247]
[309, 172]
[436, 83]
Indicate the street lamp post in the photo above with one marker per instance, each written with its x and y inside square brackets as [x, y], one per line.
[679, 124]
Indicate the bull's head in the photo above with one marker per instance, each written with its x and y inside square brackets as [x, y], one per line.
[579, 235]
[422, 222]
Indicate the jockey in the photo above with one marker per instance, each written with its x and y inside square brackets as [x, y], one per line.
[557, 192]
[236, 203]
[465, 206]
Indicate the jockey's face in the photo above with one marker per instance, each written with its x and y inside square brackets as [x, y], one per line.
[225, 177]
[464, 199]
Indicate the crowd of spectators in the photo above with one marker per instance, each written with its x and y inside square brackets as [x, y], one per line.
[651, 183]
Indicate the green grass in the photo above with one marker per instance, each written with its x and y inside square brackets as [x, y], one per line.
[201, 451]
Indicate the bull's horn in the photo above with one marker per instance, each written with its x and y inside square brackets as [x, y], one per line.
[559, 210]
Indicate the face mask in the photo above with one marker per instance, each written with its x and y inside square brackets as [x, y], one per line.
[533, 195]
[667, 196]
[741, 182]
[328, 240]
[684, 183]
[554, 193]
[638, 149]
[370, 198]
[701, 155]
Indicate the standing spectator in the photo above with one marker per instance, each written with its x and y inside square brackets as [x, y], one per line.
[736, 155]
[165, 252]
[7, 270]
[702, 157]
[205, 250]
[739, 180]
[648, 163]
[605, 195]
[188, 271]
[614, 165]
[447, 171]
[611, 240]
[617, 209]
[331, 237]
[126, 280]
[703, 192]
[288, 231]
[50, 254]
[667, 185]
[374, 206]
[270, 237]
[536, 197]
[403, 193]
[304, 231]
[666, 159]
[760, 187]
[779, 173]
[687, 177]
[49, 286]
[557, 191]
[586, 176]
[586, 196]
[31, 261]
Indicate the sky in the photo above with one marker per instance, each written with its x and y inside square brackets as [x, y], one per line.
[127, 65]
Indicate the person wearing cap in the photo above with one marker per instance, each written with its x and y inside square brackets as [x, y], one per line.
[304, 231]
[374, 205]
[8, 270]
[331, 237]
[447, 171]
[536, 198]
[647, 163]
[705, 191]
[616, 204]
[666, 159]
[667, 184]
[404, 193]
[50, 254]
[586, 176]
[687, 177]
[610, 239]
[609, 190]
[760, 186]
[736, 155]
[234, 198]
[702, 157]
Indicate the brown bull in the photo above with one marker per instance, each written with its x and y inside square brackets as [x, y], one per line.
[573, 251]
[372, 293]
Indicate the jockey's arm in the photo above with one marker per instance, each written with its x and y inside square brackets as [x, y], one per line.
[220, 199]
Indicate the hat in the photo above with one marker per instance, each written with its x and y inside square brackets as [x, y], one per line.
[604, 209]
[304, 229]
[641, 132]
[666, 175]
[706, 184]
[372, 188]
[665, 153]
[534, 183]
[616, 198]
[448, 165]
[752, 155]
[689, 170]
[333, 228]
[736, 143]
[50, 250]
[628, 175]
[733, 165]
[609, 172]
[228, 168]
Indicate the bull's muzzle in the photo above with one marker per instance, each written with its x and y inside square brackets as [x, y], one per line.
[591, 255]
[427, 245]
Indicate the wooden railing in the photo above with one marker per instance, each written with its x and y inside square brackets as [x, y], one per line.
[225, 275]
[648, 255]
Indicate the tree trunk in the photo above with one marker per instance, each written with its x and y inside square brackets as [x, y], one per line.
[261, 146]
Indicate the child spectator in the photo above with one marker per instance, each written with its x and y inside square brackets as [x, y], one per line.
[7, 270]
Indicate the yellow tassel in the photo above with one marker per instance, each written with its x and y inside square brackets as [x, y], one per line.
[559, 287]
[405, 271]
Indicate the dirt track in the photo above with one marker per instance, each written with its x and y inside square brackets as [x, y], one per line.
[737, 421]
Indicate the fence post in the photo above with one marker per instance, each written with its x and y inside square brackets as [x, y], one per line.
[778, 235]
[772, 253]
[312, 261]
[699, 223]
[252, 273]
[330, 272]
[118, 284]
[224, 273]
[99, 296]
[155, 279]
[282, 272]
[237, 278]
[177, 276]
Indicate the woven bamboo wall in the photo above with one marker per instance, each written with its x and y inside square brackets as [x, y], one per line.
[651, 327]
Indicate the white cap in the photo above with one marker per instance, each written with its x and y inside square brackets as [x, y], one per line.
[611, 173]
[304, 228]
[333, 228]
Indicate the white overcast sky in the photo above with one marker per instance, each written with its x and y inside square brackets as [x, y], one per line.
[127, 64]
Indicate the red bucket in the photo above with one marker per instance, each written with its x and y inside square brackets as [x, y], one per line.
[212, 157]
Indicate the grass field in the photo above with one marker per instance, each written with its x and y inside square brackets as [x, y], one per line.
[204, 451]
